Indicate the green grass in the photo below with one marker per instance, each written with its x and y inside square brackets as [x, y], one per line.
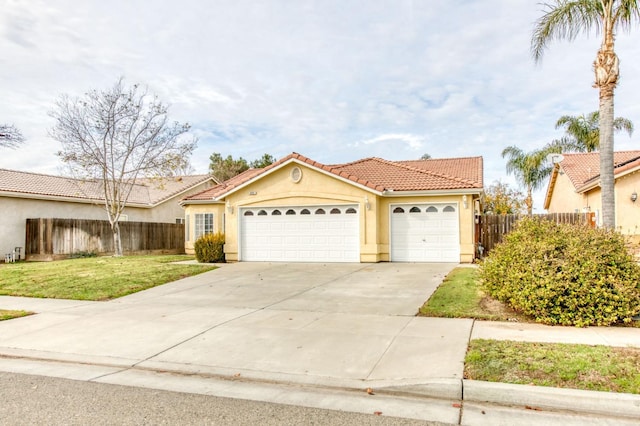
[97, 278]
[459, 296]
[599, 368]
[7, 314]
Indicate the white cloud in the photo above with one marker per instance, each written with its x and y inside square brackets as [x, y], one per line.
[413, 141]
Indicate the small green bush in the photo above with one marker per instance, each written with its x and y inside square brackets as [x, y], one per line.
[564, 274]
[210, 248]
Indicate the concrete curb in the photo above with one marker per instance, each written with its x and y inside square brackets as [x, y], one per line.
[556, 399]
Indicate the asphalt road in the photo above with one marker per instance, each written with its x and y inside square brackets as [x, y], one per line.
[37, 400]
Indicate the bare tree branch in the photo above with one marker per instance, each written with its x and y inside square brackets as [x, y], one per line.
[10, 136]
[113, 137]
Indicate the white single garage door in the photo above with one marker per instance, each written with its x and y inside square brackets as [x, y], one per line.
[425, 233]
[300, 234]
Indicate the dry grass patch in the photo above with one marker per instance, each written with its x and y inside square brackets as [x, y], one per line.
[599, 368]
[6, 314]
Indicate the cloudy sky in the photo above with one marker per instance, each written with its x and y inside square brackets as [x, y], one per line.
[333, 80]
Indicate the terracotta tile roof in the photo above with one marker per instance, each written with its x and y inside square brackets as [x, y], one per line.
[378, 174]
[581, 168]
[217, 190]
[145, 192]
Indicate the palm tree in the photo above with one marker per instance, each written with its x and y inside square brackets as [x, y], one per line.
[531, 169]
[582, 133]
[565, 19]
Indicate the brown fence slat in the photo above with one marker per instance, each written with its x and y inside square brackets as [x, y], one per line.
[493, 228]
[48, 239]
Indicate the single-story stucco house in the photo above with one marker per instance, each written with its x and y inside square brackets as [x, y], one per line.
[574, 186]
[370, 210]
[25, 195]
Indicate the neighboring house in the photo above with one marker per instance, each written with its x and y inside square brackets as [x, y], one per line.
[369, 210]
[25, 195]
[575, 187]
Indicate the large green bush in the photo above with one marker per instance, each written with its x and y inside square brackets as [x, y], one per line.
[209, 248]
[564, 274]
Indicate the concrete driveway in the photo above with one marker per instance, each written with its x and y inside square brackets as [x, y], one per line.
[343, 325]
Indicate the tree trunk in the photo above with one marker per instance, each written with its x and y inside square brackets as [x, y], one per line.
[607, 180]
[117, 242]
[529, 202]
[607, 72]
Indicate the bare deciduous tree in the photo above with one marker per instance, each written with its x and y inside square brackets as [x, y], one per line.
[10, 136]
[112, 137]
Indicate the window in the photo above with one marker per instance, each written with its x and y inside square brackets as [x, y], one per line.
[248, 213]
[290, 212]
[351, 210]
[305, 211]
[414, 210]
[204, 224]
[276, 213]
[320, 211]
[449, 209]
[262, 213]
[180, 220]
[335, 211]
[432, 209]
[398, 210]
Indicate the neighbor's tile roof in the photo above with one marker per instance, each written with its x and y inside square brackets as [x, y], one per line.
[378, 174]
[145, 192]
[581, 168]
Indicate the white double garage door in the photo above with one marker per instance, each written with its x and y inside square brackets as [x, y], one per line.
[331, 233]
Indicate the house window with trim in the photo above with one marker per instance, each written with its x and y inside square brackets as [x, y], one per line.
[203, 224]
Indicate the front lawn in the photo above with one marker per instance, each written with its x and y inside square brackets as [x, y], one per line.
[459, 296]
[599, 368]
[96, 278]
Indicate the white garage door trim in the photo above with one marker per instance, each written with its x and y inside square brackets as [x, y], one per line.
[425, 232]
[326, 233]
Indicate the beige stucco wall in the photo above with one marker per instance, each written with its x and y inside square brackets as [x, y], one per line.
[219, 218]
[316, 188]
[627, 213]
[564, 198]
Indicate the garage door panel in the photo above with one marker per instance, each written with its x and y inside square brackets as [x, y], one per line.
[313, 237]
[425, 233]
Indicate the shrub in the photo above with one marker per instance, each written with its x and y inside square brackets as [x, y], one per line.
[210, 248]
[564, 274]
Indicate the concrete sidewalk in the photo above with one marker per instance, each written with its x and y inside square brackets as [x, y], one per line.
[263, 331]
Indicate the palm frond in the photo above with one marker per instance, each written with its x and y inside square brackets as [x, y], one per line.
[565, 19]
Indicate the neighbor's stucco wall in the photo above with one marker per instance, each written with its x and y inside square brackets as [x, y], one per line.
[564, 198]
[17, 210]
[316, 188]
[627, 212]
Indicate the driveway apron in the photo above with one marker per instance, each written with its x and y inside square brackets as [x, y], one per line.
[306, 323]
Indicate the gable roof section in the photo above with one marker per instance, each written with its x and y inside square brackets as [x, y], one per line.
[375, 174]
[146, 192]
[583, 169]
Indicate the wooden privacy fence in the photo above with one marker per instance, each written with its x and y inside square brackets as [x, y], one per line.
[49, 239]
[492, 228]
